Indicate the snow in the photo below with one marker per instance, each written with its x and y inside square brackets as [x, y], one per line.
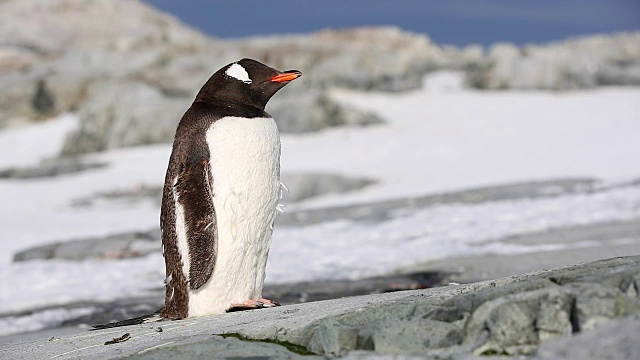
[440, 138]
[28, 145]
[439, 141]
[358, 249]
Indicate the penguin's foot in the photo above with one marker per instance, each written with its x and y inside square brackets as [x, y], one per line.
[269, 303]
[253, 304]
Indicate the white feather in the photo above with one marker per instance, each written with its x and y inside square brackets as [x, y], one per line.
[236, 71]
[181, 232]
[282, 185]
[245, 157]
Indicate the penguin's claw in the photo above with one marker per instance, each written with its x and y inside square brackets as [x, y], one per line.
[253, 304]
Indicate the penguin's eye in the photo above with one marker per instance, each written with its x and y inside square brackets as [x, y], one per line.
[238, 72]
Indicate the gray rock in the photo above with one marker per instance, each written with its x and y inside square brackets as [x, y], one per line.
[130, 83]
[574, 63]
[315, 110]
[597, 304]
[518, 311]
[333, 338]
[355, 58]
[217, 347]
[110, 247]
[121, 113]
[615, 340]
[513, 324]
[52, 167]
[415, 336]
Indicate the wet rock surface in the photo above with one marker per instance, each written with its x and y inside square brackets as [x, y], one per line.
[560, 313]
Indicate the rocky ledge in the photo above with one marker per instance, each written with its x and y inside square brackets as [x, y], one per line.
[586, 311]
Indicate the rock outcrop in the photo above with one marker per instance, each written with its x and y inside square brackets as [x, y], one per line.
[129, 71]
[587, 311]
[571, 64]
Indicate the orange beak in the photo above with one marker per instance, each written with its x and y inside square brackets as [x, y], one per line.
[286, 76]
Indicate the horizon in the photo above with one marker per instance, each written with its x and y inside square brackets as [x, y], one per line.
[454, 22]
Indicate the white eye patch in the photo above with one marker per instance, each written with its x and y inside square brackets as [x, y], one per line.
[236, 71]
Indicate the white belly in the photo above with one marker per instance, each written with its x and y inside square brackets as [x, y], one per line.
[245, 168]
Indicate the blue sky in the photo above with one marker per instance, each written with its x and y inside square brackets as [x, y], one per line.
[454, 22]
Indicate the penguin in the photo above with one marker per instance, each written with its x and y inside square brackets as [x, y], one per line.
[221, 192]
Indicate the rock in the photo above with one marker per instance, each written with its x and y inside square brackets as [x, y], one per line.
[616, 339]
[571, 64]
[315, 110]
[332, 338]
[231, 347]
[43, 101]
[15, 58]
[368, 58]
[49, 168]
[131, 83]
[121, 113]
[110, 247]
[524, 314]
[597, 304]
[514, 324]
[415, 336]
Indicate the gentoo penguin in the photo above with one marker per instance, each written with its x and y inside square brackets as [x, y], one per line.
[221, 192]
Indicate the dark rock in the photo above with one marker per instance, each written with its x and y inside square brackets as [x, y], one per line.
[43, 101]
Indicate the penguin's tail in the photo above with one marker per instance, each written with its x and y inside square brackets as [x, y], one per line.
[149, 318]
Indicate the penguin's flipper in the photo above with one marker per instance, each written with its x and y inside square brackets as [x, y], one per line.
[194, 191]
[134, 321]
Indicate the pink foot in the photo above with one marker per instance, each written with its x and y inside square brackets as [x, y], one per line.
[253, 304]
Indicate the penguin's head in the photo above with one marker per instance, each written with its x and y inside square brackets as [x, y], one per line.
[246, 82]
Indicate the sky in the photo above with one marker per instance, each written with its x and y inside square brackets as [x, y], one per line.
[454, 22]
